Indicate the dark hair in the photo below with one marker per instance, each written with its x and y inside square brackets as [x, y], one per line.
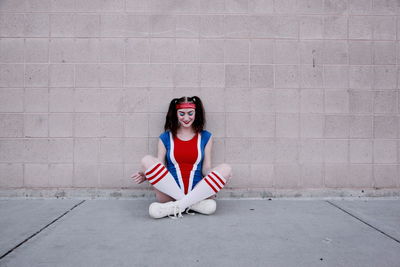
[171, 120]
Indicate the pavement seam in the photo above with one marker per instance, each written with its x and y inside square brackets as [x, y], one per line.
[370, 225]
[33, 235]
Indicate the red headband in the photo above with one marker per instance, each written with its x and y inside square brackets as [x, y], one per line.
[186, 105]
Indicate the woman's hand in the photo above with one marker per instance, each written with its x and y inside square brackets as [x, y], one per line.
[139, 177]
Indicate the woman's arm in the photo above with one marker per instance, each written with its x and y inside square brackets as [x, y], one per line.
[161, 152]
[207, 157]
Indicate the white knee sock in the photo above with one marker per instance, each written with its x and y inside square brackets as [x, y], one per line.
[162, 179]
[207, 187]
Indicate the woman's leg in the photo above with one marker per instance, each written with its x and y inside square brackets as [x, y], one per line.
[161, 197]
[225, 170]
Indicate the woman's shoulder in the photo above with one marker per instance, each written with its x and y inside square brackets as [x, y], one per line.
[164, 135]
[206, 134]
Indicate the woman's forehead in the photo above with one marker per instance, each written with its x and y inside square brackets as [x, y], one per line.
[186, 109]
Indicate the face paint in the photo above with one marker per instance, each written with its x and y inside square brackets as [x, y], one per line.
[186, 116]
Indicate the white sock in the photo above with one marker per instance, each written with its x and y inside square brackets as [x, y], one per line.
[162, 179]
[207, 187]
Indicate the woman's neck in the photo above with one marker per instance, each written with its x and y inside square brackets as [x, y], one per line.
[185, 131]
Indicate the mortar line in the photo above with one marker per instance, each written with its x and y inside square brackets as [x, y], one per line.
[33, 235]
[370, 225]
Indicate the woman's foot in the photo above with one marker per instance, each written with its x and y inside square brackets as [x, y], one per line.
[206, 206]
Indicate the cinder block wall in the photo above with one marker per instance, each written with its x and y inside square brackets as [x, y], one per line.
[299, 94]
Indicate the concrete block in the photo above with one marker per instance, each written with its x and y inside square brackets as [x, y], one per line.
[385, 151]
[61, 5]
[11, 100]
[385, 77]
[112, 150]
[337, 101]
[36, 50]
[262, 100]
[236, 51]
[237, 75]
[237, 26]
[261, 175]
[336, 126]
[385, 126]
[212, 26]
[386, 176]
[236, 100]
[60, 174]
[335, 6]
[211, 51]
[385, 102]
[36, 150]
[335, 27]
[360, 151]
[11, 175]
[61, 150]
[262, 26]
[262, 125]
[287, 176]
[335, 52]
[239, 170]
[261, 6]
[86, 50]
[263, 150]
[213, 99]
[87, 75]
[36, 175]
[11, 50]
[85, 175]
[186, 51]
[87, 125]
[86, 100]
[162, 75]
[311, 101]
[261, 51]
[11, 150]
[238, 124]
[136, 100]
[238, 150]
[160, 99]
[361, 126]
[61, 75]
[37, 25]
[36, 100]
[312, 125]
[12, 125]
[111, 125]
[160, 25]
[360, 175]
[136, 125]
[134, 149]
[13, 5]
[36, 125]
[61, 100]
[12, 25]
[156, 125]
[261, 76]
[384, 53]
[162, 50]
[137, 75]
[360, 52]
[310, 6]
[360, 7]
[311, 52]
[287, 76]
[61, 125]
[336, 76]
[311, 151]
[361, 102]
[286, 27]
[311, 27]
[361, 77]
[216, 124]
[287, 100]
[384, 28]
[112, 176]
[236, 6]
[285, 6]
[286, 52]
[336, 151]
[187, 75]
[287, 125]
[360, 27]
[311, 175]
[337, 175]
[111, 75]
[61, 25]
[137, 50]
[187, 26]
[212, 75]
[86, 25]
[212, 6]
[111, 100]
[218, 151]
[36, 75]
[311, 76]
[86, 149]
[385, 7]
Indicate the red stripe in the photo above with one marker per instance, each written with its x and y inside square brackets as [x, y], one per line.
[162, 176]
[155, 175]
[212, 179]
[152, 170]
[215, 190]
[222, 182]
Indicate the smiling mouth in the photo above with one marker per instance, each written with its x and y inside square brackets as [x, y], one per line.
[186, 122]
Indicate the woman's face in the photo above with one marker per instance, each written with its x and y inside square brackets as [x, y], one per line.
[186, 117]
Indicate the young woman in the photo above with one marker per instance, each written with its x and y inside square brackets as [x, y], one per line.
[181, 174]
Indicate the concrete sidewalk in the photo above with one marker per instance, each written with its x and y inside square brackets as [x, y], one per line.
[277, 232]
